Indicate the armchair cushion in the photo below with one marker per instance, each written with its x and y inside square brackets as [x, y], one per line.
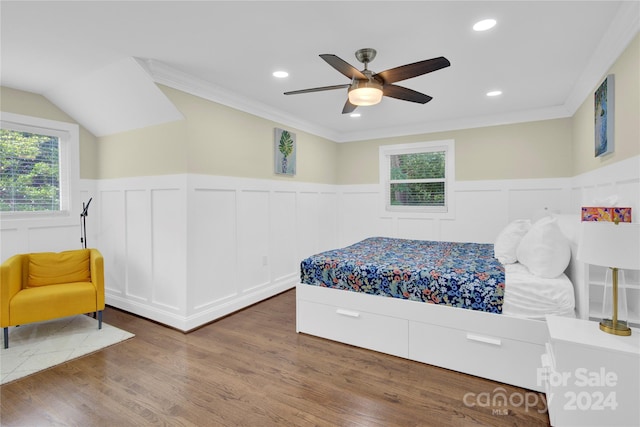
[50, 268]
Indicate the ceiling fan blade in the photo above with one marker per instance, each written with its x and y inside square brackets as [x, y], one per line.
[343, 66]
[413, 70]
[316, 89]
[348, 107]
[405, 94]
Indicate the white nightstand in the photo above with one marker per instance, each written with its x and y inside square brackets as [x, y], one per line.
[592, 378]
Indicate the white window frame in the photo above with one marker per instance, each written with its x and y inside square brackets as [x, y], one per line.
[446, 211]
[68, 135]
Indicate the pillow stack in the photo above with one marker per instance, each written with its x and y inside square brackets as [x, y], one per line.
[509, 239]
[541, 246]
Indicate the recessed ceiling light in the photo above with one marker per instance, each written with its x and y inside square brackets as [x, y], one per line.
[355, 115]
[484, 25]
[494, 93]
[280, 74]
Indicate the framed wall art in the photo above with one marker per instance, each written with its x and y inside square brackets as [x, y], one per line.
[604, 117]
[285, 152]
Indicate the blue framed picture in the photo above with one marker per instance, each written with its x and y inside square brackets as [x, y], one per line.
[603, 117]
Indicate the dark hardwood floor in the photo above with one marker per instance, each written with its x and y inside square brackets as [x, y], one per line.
[253, 369]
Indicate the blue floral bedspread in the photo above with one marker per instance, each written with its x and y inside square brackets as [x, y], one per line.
[462, 275]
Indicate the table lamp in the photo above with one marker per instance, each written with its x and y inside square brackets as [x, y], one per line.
[616, 246]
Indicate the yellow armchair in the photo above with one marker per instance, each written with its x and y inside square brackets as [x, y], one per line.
[42, 286]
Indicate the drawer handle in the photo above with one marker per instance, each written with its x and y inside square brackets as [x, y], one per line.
[486, 340]
[348, 313]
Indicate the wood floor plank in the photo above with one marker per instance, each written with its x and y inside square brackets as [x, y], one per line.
[251, 368]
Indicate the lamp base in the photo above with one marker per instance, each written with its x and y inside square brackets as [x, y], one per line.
[619, 328]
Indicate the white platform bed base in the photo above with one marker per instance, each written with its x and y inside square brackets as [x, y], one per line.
[498, 347]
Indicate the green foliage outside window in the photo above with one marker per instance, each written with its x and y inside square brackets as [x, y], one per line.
[426, 173]
[29, 172]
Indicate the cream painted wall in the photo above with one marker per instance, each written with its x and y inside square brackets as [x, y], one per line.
[212, 140]
[218, 140]
[154, 150]
[542, 149]
[539, 149]
[227, 142]
[29, 104]
[627, 116]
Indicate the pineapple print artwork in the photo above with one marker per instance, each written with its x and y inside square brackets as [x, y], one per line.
[285, 152]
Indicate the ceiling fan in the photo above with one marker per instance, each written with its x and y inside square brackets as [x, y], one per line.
[367, 87]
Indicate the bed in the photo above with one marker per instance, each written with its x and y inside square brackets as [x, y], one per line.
[475, 308]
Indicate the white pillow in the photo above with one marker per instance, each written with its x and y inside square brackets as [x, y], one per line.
[508, 240]
[544, 250]
[569, 225]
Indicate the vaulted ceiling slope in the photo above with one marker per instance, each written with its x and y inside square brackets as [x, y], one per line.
[98, 60]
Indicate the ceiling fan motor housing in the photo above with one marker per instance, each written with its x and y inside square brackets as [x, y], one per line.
[365, 55]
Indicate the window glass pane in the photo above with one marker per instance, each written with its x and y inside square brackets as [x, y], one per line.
[29, 172]
[417, 194]
[417, 165]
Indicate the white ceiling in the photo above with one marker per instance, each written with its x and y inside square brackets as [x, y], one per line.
[545, 56]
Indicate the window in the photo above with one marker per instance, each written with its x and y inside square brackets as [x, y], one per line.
[29, 177]
[36, 166]
[418, 177]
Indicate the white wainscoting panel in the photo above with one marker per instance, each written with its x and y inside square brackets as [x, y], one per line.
[47, 234]
[417, 228]
[619, 183]
[317, 222]
[112, 239]
[12, 242]
[326, 217]
[284, 260]
[482, 209]
[142, 236]
[253, 239]
[480, 215]
[213, 237]
[185, 250]
[168, 248]
[308, 223]
[360, 208]
[55, 238]
[245, 240]
[524, 201]
[138, 245]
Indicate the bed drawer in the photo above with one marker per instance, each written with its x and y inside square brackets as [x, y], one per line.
[355, 327]
[500, 359]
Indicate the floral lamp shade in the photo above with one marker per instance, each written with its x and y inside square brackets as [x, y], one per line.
[610, 214]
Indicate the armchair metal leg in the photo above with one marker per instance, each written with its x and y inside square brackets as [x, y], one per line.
[100, 319]
[6, 337]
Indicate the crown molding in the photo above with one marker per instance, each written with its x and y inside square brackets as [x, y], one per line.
[166, 75]
[620, 33]
[508, 118]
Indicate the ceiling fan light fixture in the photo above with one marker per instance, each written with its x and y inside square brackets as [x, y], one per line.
[363, 92]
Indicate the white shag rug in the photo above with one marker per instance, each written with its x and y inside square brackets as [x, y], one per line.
[38, 346]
